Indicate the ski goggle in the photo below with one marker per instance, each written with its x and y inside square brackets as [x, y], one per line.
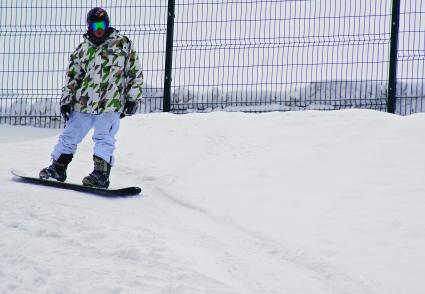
[98, 25]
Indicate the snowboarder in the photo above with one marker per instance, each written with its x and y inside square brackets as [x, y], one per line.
[103, 84]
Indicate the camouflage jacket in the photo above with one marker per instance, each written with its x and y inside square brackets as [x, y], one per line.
[101, 78]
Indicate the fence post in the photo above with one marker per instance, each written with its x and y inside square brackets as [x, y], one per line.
[169, 56]
[392, 81]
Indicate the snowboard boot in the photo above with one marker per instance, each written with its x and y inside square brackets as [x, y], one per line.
[99, 177]
[57, 170]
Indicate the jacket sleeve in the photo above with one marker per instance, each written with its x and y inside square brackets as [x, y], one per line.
[73, 79]
[134, 76]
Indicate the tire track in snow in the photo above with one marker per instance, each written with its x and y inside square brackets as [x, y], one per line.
[271, 254]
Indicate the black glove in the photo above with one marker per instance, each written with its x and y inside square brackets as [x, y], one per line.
[130, 108]
[66, 111]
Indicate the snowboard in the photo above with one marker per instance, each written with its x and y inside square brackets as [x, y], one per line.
[122, 192]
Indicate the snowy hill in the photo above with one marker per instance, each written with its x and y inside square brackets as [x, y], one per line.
[296, 202]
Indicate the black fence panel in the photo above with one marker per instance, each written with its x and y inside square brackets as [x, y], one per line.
[281, 55]
[37, 37]
[411, 58]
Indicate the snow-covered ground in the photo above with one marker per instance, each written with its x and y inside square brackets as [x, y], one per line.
[295, 202]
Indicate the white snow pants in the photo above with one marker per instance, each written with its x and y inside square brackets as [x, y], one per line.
[105, 126]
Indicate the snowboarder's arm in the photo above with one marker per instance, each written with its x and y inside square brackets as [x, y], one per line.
[134, 76]
[74, 76]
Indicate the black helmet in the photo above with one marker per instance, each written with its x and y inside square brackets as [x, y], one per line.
[97, 14]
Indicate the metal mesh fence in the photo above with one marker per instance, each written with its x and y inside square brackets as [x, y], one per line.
[246, 55]
[37, 37]
[411, 58]
[281, 55]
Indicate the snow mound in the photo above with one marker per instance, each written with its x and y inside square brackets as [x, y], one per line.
[295, 202]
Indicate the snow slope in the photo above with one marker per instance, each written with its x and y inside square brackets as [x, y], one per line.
[295, 202]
